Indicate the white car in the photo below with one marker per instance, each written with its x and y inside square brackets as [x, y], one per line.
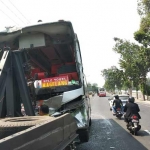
[123, 98]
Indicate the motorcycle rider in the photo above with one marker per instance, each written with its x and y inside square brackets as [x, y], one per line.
[117, 103]
[131, 108]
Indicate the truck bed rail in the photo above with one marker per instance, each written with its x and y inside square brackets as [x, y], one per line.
[53, 134]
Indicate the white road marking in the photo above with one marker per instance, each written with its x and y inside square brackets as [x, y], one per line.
[147, 131]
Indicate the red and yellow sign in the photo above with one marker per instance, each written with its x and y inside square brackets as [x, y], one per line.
[56, 81]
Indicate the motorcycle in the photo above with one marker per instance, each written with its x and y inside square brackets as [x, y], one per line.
[133, 125]
[118, 113]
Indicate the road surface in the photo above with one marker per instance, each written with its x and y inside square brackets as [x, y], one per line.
[107, 132]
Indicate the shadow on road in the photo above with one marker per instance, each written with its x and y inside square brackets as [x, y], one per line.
[106, 134]
[143, 133]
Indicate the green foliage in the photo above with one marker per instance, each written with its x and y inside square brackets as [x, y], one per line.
[143, 34]
[148, 81]
[128, 60]
[141, 37]
[127, 84]
[95, 87]
[109, 85]
[89, 84]
[134, 60]
[143, 7]
[145, 89]
[113, 77]
[92, 87]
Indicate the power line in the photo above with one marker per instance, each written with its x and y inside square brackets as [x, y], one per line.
[11, 11]
[19, 11]
[9, 17]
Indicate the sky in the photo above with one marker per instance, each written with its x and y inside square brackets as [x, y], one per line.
[96, 23]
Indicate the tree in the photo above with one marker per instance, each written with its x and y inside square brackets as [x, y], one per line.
[95, 84]
[94, 87]
[134, 60]
[91, 87]
[145, 88]
[109, 86]
[113, 77]
[143, 34]
[143, 37]
[89, 84]
[127, 51]
[143, 7]
[148, 81]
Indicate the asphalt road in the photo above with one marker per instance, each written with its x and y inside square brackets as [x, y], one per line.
[107, 132]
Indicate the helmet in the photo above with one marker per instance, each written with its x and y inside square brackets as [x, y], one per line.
[131, 99]
[116, 97]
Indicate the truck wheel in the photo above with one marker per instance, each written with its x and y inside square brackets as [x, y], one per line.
[84, 135]
[13, 125]
[90, 122]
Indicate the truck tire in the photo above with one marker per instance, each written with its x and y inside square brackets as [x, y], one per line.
[84, 135]
[90, 122]
[13, 125]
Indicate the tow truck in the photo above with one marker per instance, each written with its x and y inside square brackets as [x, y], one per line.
[42, 63]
